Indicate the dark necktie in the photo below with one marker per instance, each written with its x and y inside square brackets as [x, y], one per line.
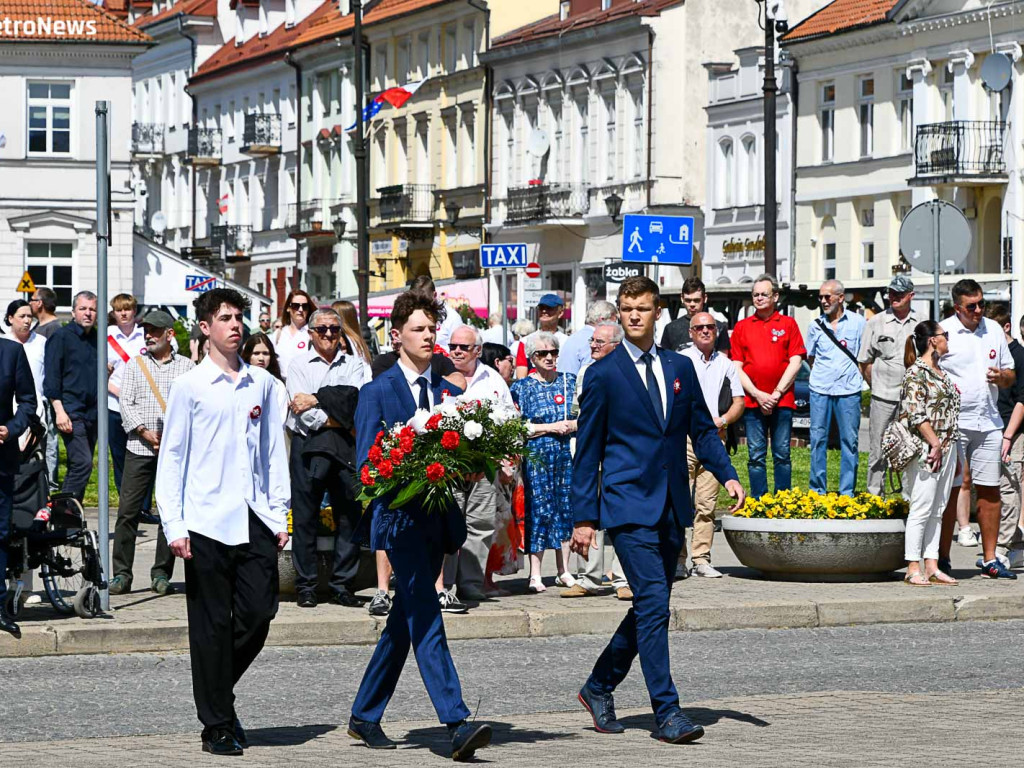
[424, 400]
[652, 386]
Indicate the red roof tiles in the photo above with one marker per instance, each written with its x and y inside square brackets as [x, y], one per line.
[207, 8]
[840, 16]
[554, 25]
[63, 21]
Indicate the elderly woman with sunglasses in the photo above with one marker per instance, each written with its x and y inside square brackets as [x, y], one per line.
[545, 399]
[292, 341]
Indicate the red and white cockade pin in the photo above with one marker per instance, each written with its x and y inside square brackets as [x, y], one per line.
[677, 387]
[301, 345]
[255, 412]
[991, 354]
[559, 399]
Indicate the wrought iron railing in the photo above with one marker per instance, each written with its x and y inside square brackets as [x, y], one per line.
[407, 202]
[312, 217]
[204, 143]
[262, 131]
[538, 202]
[236, 239]
[960, 148]
[148, 138]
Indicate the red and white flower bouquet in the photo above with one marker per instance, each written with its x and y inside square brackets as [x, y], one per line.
[432, 454]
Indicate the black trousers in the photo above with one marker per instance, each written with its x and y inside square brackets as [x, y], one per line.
[231, 596]
[79, 446]
[307, 496]
[136, 488]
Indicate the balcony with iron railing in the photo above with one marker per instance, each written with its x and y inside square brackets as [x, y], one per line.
[204, 146]
[147, 138]
[261, 135]
[314, 218]
[407, 204]
[959, 150]
[540, 202]
[236, 240]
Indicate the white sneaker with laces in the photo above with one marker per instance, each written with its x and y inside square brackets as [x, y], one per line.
[967, 538]
[706, 570]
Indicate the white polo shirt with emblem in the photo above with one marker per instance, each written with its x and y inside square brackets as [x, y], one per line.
[970, 356]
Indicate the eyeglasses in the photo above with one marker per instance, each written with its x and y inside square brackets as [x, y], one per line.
[705, 327]
[299, 306]
[327, 330]
[461, 347]
[601, 342]
[35, 301]
[974, 306]
[546, 353]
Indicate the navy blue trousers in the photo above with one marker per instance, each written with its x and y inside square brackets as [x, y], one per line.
[648, 557]
[415, 620]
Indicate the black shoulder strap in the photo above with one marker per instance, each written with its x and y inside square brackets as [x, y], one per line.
[828, 332]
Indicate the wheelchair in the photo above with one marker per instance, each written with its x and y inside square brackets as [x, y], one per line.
[50, 533]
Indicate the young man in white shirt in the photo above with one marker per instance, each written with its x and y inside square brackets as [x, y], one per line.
[125, 340]
[223, 491]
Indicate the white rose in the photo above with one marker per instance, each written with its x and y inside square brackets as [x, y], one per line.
[448, 408]
[419, 421]
[472, 430]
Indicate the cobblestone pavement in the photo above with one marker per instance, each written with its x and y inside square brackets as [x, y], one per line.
[938, 694]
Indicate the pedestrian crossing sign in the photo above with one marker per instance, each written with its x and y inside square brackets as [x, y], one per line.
[26, 285]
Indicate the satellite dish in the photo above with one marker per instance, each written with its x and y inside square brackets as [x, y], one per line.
[996, 71]
[158, 223]
[538, 143]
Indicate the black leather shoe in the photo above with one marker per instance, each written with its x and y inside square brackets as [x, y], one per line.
[7, 624]
[346, 599]
[679, 729]
[467, 738]
[601, 707]
[221, 743]
[306, 599]
[240, 736]
[371, 734]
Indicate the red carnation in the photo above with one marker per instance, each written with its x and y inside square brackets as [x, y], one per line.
[434, 421]
[386, 469]
[366, 477]
[396, 455]
[450, 440]
[380, 438]
[375, 454]
[405, 443]
[406, 433]
[435, 472]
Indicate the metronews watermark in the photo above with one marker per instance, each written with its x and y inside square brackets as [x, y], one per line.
[46, 26]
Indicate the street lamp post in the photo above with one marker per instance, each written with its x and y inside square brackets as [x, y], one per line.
[362, 179]
[774, 21]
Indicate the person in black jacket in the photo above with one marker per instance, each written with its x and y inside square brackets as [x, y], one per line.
[676, 335]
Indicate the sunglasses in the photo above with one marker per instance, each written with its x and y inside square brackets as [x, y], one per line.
[299, 306]
[327, 330]
[34, 301]
[974, 306]
[707, 327]
[826, 297]
[461, 347]
[944, 334]
[546, 353]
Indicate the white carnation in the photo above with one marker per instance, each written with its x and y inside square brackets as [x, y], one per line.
[472, 430]
[448, 408]
[419, 421]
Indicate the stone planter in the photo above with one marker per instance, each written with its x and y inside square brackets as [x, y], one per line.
[366, 577]
[817, 550]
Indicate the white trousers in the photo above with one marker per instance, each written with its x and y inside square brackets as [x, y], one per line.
[928, 492]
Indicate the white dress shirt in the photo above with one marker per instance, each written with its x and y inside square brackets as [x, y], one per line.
[971, 354]
[222, 453]
[308, 374]
[486, 383]
[133, 344]
[641, 368]
[452, 320]
[712, 372]
[412, 378]
[35, 351]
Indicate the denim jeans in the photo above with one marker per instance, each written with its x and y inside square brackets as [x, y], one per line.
[847, 411]
[778, 425]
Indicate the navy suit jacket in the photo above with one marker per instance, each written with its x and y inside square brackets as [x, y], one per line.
[16, 385]
[384, 402]
[628, 465]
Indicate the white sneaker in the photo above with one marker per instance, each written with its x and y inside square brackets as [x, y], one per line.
[706, 570]
[967, 538]
[565, 580]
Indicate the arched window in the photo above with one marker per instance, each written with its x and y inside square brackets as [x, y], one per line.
[726, 173]
[750, 175]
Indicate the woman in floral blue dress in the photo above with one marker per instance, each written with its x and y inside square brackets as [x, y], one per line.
[545, 399]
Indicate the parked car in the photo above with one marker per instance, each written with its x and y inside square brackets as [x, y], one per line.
[802, 393]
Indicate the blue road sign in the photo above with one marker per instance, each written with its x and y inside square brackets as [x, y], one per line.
[657, 239]
[200, 283]
[511, 255]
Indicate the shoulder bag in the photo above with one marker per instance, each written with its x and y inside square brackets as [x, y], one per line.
[899, 446]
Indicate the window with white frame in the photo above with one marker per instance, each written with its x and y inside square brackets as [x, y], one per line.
[49, 118]
[946, 93]
[867, 217]
[52, 265]
[829, 261]
[172, 100]
[827, 120]
[380, 74]
[422, 152]
[451, 152]
[506, 147]
[867, 260]
[467, 163]
[750, 179]
[726, 173]
[905, 111]
[404, 60]
[637, 119]
[423, 56]
[610, 144]
[323, 92]
[231, 123]
[531, 163]
[289, 13]
[563, 9]
[402, 157]
[289, 107]
[581, 138]
[553, 170]
[451, 49]
[380, 171]
[866, 115]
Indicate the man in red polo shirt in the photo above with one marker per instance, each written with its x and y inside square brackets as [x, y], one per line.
[767, 349]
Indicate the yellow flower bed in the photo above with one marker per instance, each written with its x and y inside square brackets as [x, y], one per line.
[796, 504]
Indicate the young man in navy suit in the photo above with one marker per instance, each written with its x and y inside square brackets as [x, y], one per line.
[630, 477]
[415, 542]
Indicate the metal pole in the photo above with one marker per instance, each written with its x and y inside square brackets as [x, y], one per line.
[771, 213]
[362, 178]
[504, 306]
[938, 258]
[102, 241]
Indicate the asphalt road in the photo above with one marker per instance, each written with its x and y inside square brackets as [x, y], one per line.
[74, 697]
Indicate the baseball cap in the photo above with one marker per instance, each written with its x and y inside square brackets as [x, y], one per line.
[901, 284]
[158, 319]
[550, 300]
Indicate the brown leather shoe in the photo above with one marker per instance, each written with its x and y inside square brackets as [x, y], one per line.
[624, 593]
[576, 590]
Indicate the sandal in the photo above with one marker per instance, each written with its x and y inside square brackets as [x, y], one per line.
[536, 587]
[908, 579]
[941, 582]
[565, 580]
